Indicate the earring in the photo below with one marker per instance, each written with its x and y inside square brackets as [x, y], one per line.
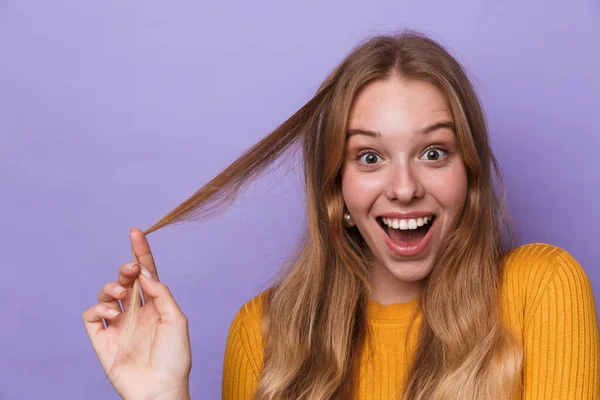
[348, 220]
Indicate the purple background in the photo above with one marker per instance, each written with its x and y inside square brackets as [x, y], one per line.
[114, 112]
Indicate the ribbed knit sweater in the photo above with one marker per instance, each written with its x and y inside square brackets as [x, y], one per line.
[547, 301]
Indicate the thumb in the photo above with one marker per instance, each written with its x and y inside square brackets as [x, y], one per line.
[162, 298]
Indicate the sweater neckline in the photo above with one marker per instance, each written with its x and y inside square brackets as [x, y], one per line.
[396, 312]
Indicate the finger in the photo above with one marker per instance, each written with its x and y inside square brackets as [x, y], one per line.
[128, 273]
[141, 251]
[110, 295]
[92, 318]
[162, 298]
[140, 248]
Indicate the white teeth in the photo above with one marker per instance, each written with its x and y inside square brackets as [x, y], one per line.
[405, 224]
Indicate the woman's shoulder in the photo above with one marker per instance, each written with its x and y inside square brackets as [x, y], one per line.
[536, 274]
[250, 313]
[246, 324]
[244, 348]
[537, 264]
[248, 318]
[548, 303]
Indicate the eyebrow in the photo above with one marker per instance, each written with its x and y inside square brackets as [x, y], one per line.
[377, 135]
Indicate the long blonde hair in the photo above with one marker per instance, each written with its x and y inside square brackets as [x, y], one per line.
[315, 314]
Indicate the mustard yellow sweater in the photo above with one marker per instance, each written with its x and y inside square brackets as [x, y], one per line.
[547, 301]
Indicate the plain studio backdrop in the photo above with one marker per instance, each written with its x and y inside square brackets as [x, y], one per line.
[114, 112]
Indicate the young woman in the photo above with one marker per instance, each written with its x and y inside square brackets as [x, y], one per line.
[406, 284]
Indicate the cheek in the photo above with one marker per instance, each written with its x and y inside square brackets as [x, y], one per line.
[359, 191]
[450, 188]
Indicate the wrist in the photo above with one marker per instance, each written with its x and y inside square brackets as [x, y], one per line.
[182, 394]
[177, 394]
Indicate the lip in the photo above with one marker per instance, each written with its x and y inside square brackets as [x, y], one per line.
[409, 251]
[413, 214]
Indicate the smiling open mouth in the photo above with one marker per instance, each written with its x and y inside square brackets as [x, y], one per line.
[407, 233]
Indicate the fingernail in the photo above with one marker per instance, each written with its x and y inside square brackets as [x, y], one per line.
[130, 266]
[113, 313]
[145, 272]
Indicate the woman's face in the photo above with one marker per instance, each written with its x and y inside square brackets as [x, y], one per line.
[404, 181]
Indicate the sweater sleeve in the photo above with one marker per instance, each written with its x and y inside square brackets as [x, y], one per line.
[561, 336]
[243, 353]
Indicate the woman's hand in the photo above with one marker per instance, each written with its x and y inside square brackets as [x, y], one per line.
[157, 362]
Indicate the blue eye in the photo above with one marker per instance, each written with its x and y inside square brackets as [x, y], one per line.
[371, 158]
[434, 154]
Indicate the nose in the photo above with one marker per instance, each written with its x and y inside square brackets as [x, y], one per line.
[404, 184]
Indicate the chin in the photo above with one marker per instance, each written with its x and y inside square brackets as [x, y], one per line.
[410, 271]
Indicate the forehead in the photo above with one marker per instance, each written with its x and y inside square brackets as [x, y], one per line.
[398, 105]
